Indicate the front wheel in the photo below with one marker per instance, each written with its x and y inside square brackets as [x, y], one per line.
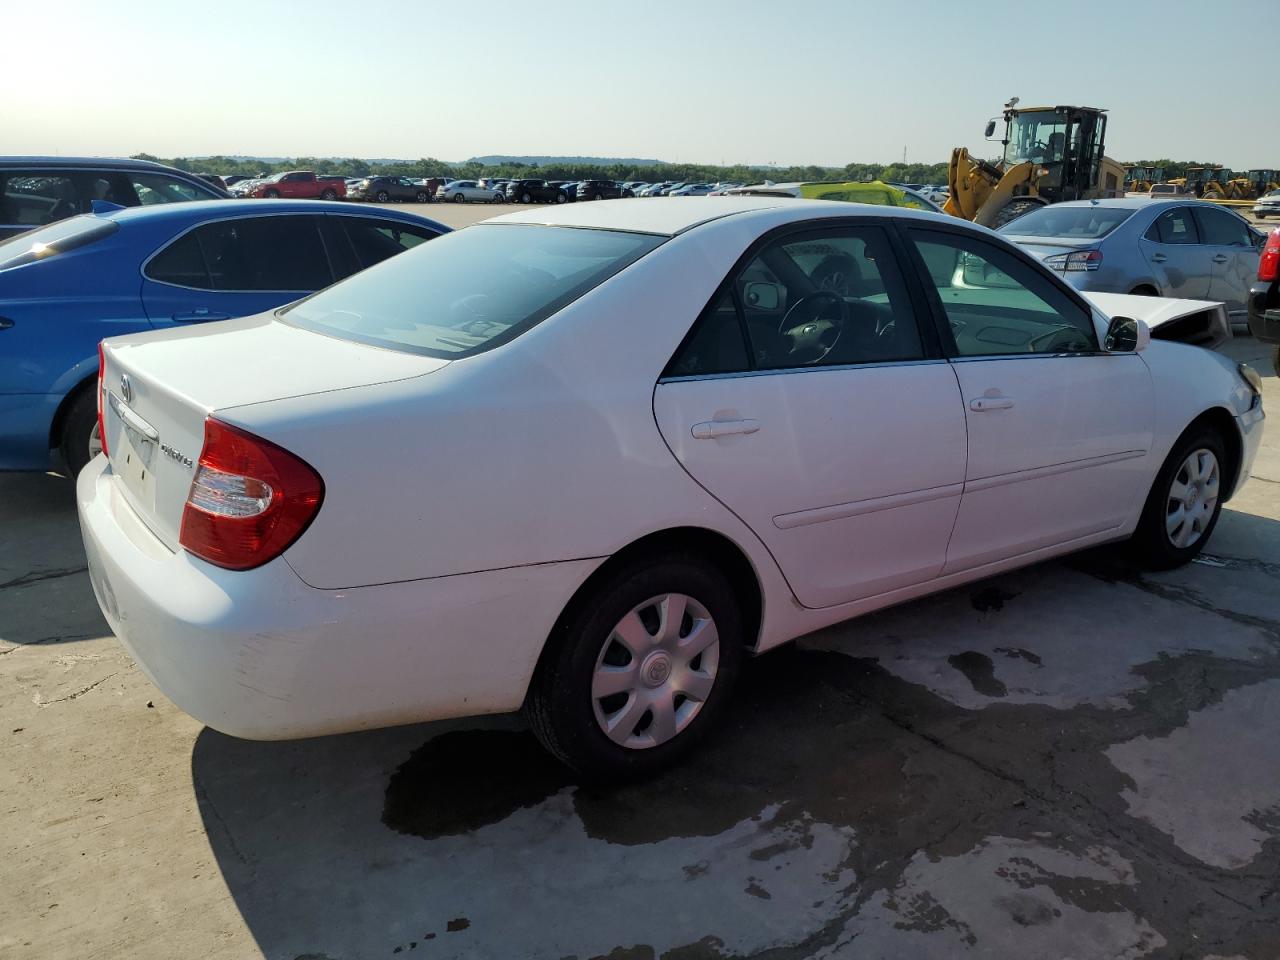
[561, 198]
[640, 671]
[422, 196]
[382, 196]
[1012, 211]
[273, 194]
[1184, 503]
[459, 198]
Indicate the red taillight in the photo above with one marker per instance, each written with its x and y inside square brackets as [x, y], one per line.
[102, 424]
[249, 499]
[1269, 264]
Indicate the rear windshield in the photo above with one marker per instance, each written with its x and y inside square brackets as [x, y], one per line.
[44, 242]
[468, 291]
[1070, 223]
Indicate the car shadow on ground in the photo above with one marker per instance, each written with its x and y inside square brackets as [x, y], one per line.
[927, 780]
[45, 595]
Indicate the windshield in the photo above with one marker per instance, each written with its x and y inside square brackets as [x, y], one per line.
[1068, 223]
[466, 292]
[58, 237]
[1039, 137]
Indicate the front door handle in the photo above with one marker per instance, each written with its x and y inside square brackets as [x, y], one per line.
[5, 323]
[714, 429]
[1220, 258]
[985, 404]
[1159, 257]
[200, 315]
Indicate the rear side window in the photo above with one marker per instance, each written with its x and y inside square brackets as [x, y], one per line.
[250, 254]
[153, 188]
[378, 240]
[1174, 226]
[53, 239]
[1078, 223]
[468, 291]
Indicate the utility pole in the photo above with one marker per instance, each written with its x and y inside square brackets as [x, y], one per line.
[904, 156]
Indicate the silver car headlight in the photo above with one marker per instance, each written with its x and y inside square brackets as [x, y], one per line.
[1254, 380]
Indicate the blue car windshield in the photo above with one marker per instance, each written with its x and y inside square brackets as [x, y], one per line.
[1068, 223]
[59, 237]
[468, 291]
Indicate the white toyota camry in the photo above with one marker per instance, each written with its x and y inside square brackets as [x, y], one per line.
[583, 459]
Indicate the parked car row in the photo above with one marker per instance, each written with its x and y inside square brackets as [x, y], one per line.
[318, 520]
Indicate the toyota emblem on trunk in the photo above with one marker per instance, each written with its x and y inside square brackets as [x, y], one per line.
[126, 388]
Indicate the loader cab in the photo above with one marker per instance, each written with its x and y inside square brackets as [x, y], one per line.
[1067, 142]
[1263, 180]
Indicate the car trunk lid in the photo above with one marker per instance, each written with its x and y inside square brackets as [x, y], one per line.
[158, 389]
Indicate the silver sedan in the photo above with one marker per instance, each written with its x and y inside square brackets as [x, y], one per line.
[1190, 249]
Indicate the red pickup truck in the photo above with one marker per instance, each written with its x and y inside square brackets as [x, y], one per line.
[300, 185]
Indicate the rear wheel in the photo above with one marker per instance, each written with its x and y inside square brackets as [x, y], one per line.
[79, 442]
[560, 197]
[382, 196]
[422, 196]
[329, 194]
[526, 198]
[1185, 501]
[639, 672]
[597, 197]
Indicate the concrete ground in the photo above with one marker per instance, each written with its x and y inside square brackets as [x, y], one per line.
[1074, 760]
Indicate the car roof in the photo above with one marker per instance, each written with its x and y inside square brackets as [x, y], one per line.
[102, 163]
[195, 210]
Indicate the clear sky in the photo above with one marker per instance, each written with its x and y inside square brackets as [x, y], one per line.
[711, 81]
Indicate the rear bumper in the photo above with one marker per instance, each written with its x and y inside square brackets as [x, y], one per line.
[261, 655]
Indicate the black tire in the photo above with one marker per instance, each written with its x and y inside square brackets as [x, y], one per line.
[1012, 211]
[78, 424]
[382, 196]
[597, 197]
[273, 194]
[1151, 546]
[329, 195]
[1143, 290]
[422, 197]
[559, 706]
[459, 198]
[562, 197]
[526, 198]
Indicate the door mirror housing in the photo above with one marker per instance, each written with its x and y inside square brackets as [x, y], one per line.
[991, 128]
[1126, 335]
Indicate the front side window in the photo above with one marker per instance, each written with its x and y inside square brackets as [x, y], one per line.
[1221, 229]
[824, 298]
[1038, 137]
[34, 199]
[469, 291]
[996, 304]
[1174, 226]
[156, 188]
[249, 254]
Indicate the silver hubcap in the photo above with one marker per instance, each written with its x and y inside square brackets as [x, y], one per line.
[655, 672]
[1193, 496]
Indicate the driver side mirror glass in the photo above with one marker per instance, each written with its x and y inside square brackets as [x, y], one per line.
[1126, 335]
[762, 296]
[991, 128]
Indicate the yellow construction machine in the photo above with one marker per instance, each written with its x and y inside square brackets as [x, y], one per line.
[1050, 154]
[1141, 179]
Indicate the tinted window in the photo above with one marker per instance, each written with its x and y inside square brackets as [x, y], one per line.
[260, 253]
[181, 263]
[1222, 229]
[56, 238]
[1174, 226]
[157, 188]
[470, 290]
[715, 345]
[1059, 220]
[997, 304]
[377, 240]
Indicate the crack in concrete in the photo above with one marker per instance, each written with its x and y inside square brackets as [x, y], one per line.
[1243, 563]
[29, 578]
[71, 696]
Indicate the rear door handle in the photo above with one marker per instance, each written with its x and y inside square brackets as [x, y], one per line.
[713, 429]
[1220, 258]
[1159, 257]
[5, 323]
[985, 404]
[200, 315]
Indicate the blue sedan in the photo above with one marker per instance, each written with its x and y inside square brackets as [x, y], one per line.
[68, 285]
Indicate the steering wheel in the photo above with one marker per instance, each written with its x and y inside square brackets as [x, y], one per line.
[809, 334]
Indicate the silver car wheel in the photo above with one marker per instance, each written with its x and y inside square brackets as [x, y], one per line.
[1193, 497]
[655, 671]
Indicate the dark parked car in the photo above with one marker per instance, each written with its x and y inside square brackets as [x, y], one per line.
[383, 189]
[35, 191]
[1264, 298]
[535, 191]
[600, 190]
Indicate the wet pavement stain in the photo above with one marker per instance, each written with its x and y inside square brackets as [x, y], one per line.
[818, 737]
[980, 672]
[990, 598]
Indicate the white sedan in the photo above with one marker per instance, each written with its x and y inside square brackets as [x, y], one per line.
[467, 191]
[583, 459]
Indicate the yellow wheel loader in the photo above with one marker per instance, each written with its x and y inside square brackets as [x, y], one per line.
[1050, 154]
[1141, 179]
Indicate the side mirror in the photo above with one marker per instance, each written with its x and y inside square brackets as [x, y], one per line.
[991, 128]
[762, 296]
[1126, 335]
